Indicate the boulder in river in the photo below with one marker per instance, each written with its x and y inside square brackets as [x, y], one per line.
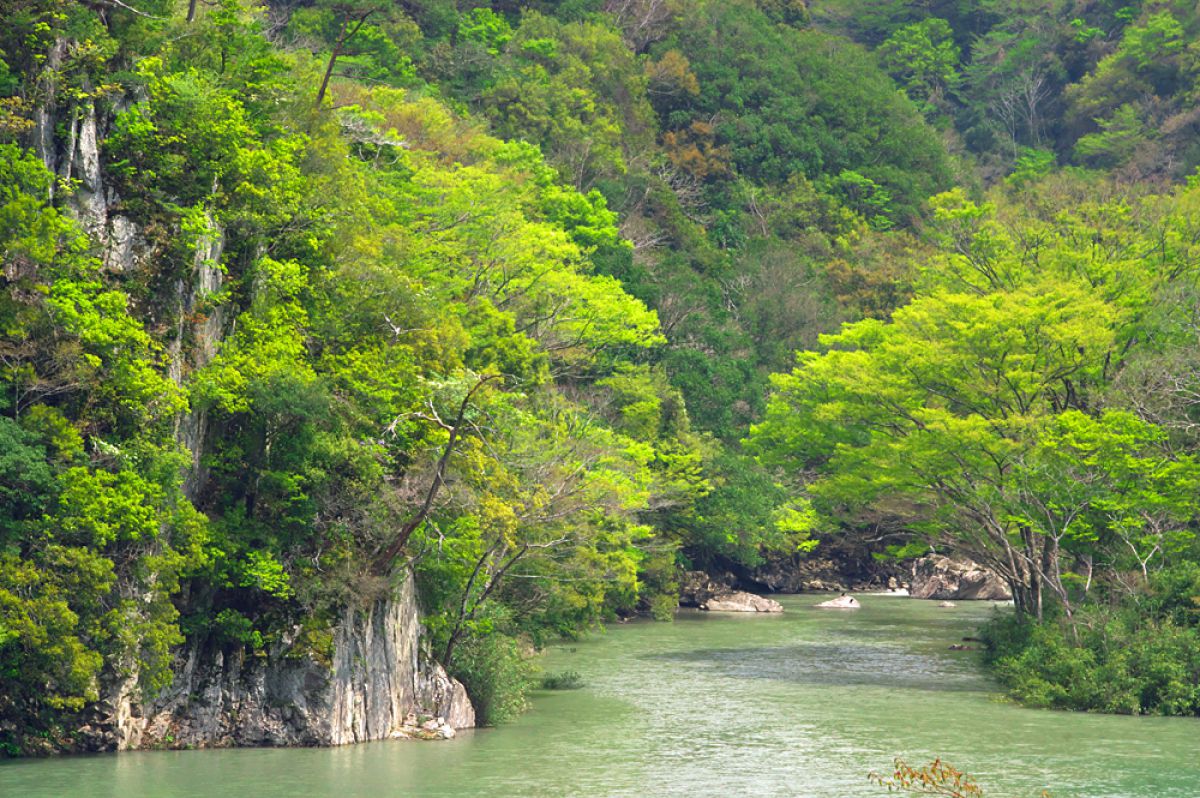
[697, 587]
[840, 603]
[940, 577]
[741, 601]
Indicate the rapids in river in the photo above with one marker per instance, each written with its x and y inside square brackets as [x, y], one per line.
[802, 704]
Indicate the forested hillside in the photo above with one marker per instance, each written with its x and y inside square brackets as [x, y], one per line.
[298, 295]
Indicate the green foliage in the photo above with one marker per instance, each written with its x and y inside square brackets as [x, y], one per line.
[505, 313]
[43, 657]
[567, 680]
[746, 516]
[924, 58]
[1119, 138]
[485, 27]
[970, 417]
[26, 480]
[1031, 166]
[498, 676]
[800, 102]
[1139, 656]
[374, 50]
[83, 527]
[573, 89]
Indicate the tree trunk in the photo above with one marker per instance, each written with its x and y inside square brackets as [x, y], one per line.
[333, 57]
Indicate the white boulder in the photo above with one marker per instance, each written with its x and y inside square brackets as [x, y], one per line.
[841, 603]
[741, 601]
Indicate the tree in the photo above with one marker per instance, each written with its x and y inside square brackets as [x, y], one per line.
[349, 17]
[974, 417]
[924, 59]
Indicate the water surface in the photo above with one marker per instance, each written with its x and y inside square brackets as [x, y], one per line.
[802, 704]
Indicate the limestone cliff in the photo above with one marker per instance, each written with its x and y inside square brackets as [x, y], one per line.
[375, 680]
[377, 677]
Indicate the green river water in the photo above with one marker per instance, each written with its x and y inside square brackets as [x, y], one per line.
[802, 704]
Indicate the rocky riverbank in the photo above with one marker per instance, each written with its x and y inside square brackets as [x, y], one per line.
[931, 577]
[956, 579]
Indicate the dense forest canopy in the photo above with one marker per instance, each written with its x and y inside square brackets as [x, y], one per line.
[297, 295]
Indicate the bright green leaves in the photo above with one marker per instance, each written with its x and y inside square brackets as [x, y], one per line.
[98, 509]
[971, 417]
[1158, 38]
[94, 514]
[31, 232]
[43, 660]
[192, 143]
[1117, 482]
[268, 351]
[115, 355]
[1117, 140]
[1061, 231]
[485, 27]
[924, 59]
[264, 572]
[998, 357]
[576, 91]
[483, 245]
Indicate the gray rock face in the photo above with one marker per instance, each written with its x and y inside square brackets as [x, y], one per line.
[940, 577]
[697, 587]
[376, 678]
[445, 697]
[740, 601]
[830, 570]
[796, 575]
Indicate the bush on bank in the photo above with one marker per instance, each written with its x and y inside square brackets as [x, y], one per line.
[1135, 655]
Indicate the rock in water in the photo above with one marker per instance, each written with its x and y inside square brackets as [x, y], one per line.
[841, 603]
[697, 587]
[740, 601]
[939, 577]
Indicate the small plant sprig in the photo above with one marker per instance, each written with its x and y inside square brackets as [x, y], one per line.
[936, 778]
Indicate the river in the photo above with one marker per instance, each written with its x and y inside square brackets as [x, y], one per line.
[802, 704]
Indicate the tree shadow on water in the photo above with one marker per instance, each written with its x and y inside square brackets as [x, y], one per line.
[837, 664]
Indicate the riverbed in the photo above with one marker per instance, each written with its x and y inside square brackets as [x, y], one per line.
[805, 704]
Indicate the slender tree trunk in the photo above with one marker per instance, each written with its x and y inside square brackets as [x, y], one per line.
[191, 14]
[333, 57]
[383, 562]
[348, 31]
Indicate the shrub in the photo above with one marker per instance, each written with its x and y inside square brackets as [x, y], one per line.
[567, 680]
[1139, 656]
[497, 675]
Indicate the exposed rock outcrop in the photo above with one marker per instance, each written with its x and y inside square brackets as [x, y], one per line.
[697, 587]
[835, 567]
[799, 574]
[741, 601]
[376, 680]
[940, 577]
